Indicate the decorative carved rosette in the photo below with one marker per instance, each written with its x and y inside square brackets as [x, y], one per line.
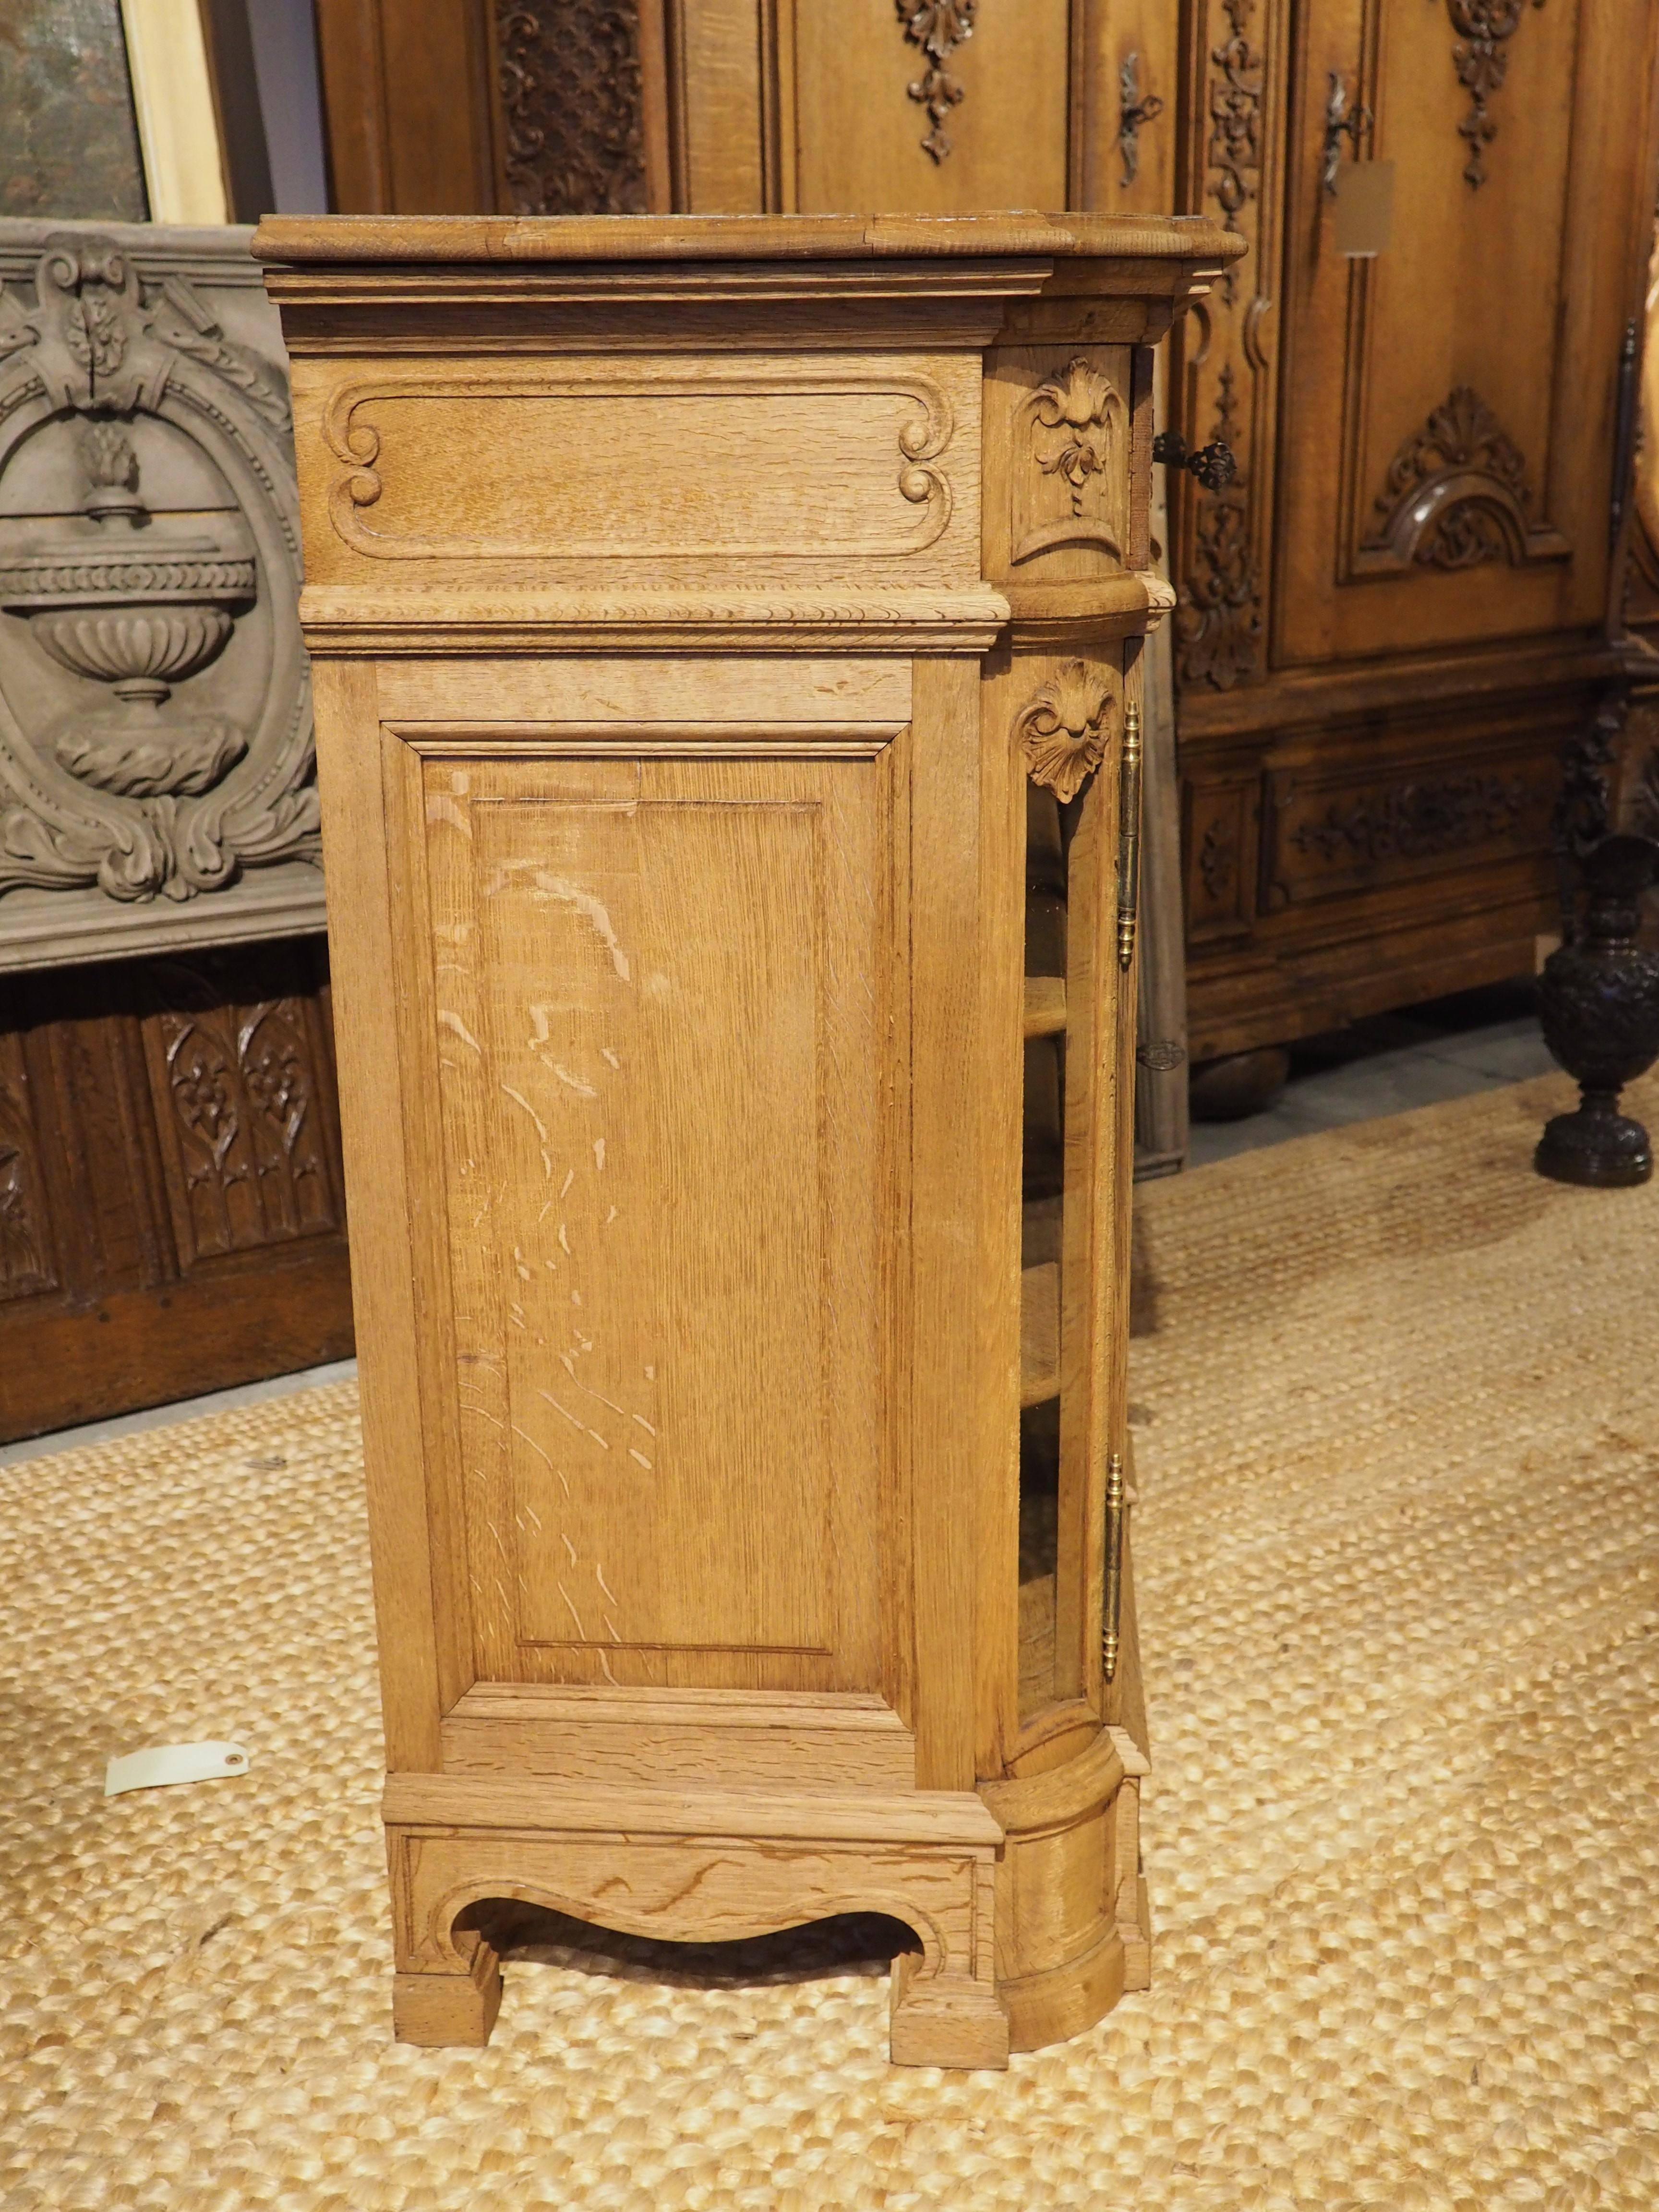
[1062, 732]
[166, 562]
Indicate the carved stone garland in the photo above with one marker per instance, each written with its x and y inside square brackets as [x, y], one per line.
[131, 597]
[573, 107]
[1482, 62]
[1457, 495]
[939, 28]
[1062, 732]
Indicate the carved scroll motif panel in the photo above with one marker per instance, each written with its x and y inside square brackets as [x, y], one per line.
[815, 462]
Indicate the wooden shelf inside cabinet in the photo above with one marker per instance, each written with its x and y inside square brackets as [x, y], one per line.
[678, 881]
[1039, 1334]
[1045, 1005]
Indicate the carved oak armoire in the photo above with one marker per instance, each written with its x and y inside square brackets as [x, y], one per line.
[701, 612]
[1395, 617]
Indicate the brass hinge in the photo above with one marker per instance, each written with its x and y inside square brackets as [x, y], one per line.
[1115, 1512]
[1128, 871]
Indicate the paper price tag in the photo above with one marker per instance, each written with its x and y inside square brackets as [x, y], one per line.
[174, 1762]
[1364, 209]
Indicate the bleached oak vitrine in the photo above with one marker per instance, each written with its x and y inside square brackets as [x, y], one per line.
[698, 608]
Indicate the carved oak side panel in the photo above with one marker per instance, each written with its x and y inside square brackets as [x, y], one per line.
[26, 1261]
[155, 732]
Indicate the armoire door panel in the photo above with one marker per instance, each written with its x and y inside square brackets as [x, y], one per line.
[666, 1347]
[868, 101]
[1447, 487]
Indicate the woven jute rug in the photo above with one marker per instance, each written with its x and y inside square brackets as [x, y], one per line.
[1397, 1414]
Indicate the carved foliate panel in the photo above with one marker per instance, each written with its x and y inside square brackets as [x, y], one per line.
[1225, 388]
[1070, 476]
[571, 118]
[1335, 832]
[25, 1264]
[155, 734]
[1219, 840]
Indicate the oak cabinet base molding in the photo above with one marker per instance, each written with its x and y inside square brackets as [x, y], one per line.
[706, 642]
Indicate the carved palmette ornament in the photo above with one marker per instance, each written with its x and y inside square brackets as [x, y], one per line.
[155, 727]
[1062, 733]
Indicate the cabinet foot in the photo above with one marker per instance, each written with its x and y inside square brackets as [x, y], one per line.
[944, 2020]
[449, 2010]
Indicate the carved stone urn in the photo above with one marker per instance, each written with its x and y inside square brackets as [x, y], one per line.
[1598, 1001]
[116, 599]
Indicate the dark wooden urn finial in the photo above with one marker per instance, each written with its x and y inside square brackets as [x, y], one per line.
[1598, 1000]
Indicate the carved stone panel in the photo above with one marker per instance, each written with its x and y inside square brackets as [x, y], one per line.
[155, 735]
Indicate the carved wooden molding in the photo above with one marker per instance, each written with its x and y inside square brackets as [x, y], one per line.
[1482, 60]
[1457, 495]
[155, 734]
[755, 415]
[1218, 624]
[572, 106]
[1062, 733]
[939, 28]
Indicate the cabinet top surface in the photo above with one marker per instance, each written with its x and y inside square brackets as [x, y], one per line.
[354, 241]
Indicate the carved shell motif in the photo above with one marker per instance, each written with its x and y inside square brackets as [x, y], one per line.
[1063, 732]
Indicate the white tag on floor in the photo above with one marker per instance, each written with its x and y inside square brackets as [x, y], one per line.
[174, 1762]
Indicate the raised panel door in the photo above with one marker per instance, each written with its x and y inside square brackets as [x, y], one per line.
[651, 1017]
